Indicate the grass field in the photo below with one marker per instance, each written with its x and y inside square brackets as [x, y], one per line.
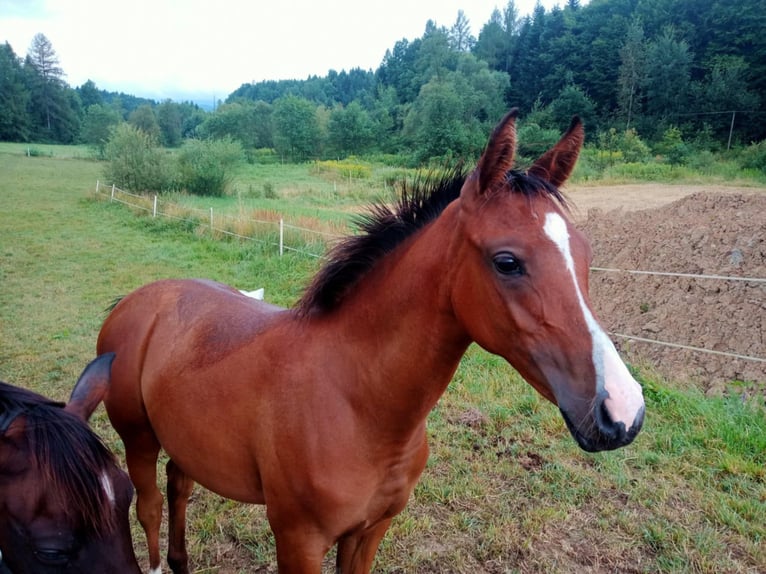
[506, 489]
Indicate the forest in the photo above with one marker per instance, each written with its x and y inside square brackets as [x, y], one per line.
[689, 70]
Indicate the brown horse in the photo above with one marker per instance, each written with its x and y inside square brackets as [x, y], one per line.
[64, 502]
[319, 411]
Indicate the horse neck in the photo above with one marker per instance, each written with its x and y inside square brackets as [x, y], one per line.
[399, 327]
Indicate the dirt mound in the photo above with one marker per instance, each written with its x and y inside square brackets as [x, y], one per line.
[703, 233]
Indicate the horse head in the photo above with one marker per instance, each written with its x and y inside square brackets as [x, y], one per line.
[64, 502]
[523, 293]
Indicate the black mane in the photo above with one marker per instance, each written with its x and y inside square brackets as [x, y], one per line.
[385, 227]
[70, 455]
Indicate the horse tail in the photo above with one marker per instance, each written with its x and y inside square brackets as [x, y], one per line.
[91, 387]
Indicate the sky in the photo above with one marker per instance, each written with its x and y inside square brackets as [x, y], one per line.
[203, 51]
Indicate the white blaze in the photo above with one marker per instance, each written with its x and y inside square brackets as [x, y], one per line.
[106, 484]
[625, 396]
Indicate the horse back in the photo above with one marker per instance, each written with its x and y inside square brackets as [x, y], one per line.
[172, 306]
[180, 324]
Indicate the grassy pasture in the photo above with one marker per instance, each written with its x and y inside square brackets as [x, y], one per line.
[505, 490]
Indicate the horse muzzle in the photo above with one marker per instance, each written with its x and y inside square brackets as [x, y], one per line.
[599, 432]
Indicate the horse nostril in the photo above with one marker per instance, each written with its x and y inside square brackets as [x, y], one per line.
[608, 428]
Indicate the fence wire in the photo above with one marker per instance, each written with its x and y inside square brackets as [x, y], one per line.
[114, 191]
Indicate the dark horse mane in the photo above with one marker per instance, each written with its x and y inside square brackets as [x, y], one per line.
[386, 226]
[70, 455]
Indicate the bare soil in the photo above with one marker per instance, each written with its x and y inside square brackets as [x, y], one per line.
[707, 230]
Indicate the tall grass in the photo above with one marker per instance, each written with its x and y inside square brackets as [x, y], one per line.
[505, 490]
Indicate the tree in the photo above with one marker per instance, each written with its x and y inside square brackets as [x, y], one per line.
[632, 71]
[169, 121]
[492, 44]
[15, 122]
[453, 112]
[238, 120]
[433, 125]
[48, 87]
[460, 34]
[97, 125]
[435, 55]
[573, 101]
[387, 118]
[398, 69]
[524, 67]
[668, 74]
[144, 119]
[350, 130]
[511, 22]
[89, 95]
[296, 129]
[191, 117]
[264, 125]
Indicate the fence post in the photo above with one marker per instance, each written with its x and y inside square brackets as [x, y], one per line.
[154, 207]
[96, 187]
[731, 130]
[281, 236]
[112, 196]
[211, 220]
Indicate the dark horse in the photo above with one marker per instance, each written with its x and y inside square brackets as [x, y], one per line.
[319, 411]
[64, 502]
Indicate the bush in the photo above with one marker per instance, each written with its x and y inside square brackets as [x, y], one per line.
[205, 166]
[754, 157]
[135, 162]
[673, 148]
[622, 146]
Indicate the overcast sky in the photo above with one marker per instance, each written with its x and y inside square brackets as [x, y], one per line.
[199, 50]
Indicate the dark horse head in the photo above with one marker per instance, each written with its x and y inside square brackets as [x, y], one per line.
[63, 500]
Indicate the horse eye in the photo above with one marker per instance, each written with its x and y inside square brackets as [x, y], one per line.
[52, 556]
[507, 264]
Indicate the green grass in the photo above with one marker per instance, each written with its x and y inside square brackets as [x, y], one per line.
[505, 489]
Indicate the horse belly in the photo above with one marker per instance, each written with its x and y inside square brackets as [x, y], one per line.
[208, 421]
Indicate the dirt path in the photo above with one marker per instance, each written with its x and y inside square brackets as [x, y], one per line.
[633, 197]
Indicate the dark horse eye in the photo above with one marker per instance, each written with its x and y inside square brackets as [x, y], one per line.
[52, 557]
[507, 264]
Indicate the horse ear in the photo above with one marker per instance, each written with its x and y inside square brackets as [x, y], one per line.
[91, 387]
[498, 157]
[556, 165]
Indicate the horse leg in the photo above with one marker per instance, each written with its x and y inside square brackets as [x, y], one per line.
[141, 452]
[356, 552]
[298, 550]
[179, 490]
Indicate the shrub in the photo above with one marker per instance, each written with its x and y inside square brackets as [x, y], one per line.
[632, 147]
[754, 157]
[672, 147]
[622, 146]
[205, 166]
[135, 162]
[35, 152]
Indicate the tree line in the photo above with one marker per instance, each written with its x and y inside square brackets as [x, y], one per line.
[649, 68]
